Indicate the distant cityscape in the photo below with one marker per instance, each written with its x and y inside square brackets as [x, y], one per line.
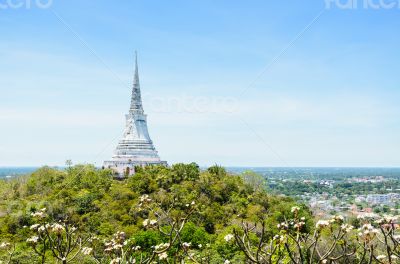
[352, 192]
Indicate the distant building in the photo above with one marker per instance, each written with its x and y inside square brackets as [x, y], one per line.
[382, 198]
[135, 148]
[360, 199]
[373, 179]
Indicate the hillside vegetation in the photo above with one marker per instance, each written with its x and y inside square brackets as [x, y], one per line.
[187, 206]
[176, 214]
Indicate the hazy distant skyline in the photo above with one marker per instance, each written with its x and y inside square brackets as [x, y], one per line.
[227, 82]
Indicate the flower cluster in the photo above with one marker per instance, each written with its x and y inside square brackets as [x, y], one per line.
[57, 228]
[229, 237]
[163, 255]
[33, 240]
[161, 250]
[5, 245]
[137, 248]
[387, 220]
[366, 216]
[346, 228]
[35, 227]
[41, 214]
[191, 204]
[149, 223]
[186, 245]
[295, 209]
[280, 239]
[321, 224]
[299, 225]
[337, 219]
[116, 261]
[367, 232]
[116, 244]
[161, 246]
[283, 226]
[145, 198]
[87, 251]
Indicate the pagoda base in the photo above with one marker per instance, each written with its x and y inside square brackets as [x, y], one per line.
[127, 167]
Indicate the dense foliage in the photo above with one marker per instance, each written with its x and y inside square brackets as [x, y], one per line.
[81, 205]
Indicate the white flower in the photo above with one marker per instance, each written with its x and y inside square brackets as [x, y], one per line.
[283, 225]
[119, 236]
[187, 205]
[200, 245]
[380, 257]
[337, 219]
[186, 245]
[5, 245]
[145, 198]
[163, 255]
[387, 219]
[116, 261]
[148, 222]
[57, 228]
[295, 209]
[92, 239]
[366, 216]
[393, 256]
[346, 228]
[32, 240]
[108, 249]
[368, 232]
[229, 237]
[117, 246]
[136, 248]
[161, 246]
[193, 203]
[299, 225]
[282, 239]
[39, 214]
[227, 262]
[87, 251]
[41, 229]
[322, 224]
[324, 261]
[34, 227]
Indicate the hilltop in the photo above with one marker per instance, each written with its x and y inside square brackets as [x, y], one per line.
[212, 202]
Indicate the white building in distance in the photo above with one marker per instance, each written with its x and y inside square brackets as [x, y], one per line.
[135, 148]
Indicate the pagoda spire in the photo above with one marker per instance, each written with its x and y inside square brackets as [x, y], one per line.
[135, 148]
[136, 100]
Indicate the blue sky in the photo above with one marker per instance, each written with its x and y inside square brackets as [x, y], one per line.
[238, 83]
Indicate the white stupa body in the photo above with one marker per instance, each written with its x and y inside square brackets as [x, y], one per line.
[135, 148]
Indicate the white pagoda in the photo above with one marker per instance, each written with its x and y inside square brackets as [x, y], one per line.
[135, 148]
